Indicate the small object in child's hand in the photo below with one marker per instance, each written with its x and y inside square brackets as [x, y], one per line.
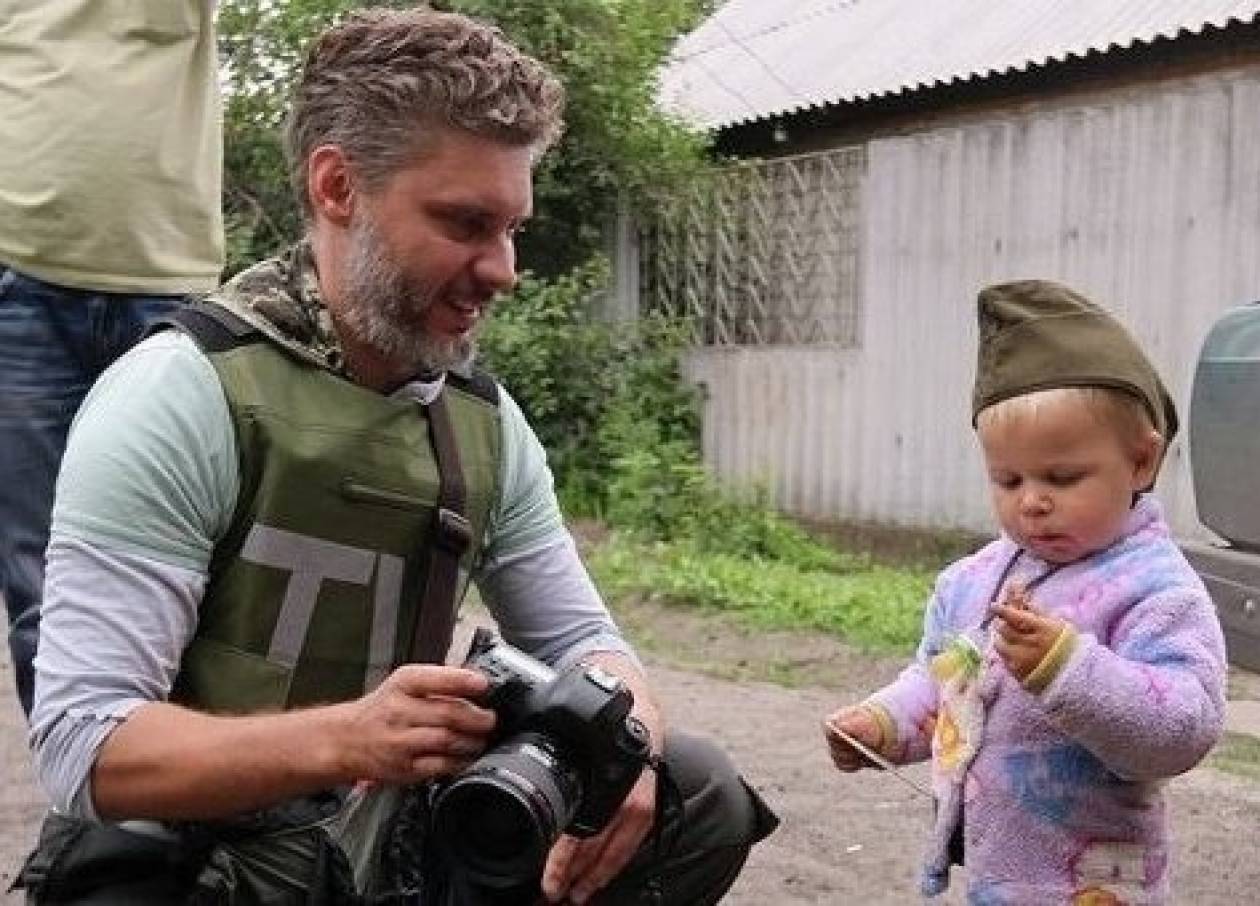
[1017, 596]
[878, 760]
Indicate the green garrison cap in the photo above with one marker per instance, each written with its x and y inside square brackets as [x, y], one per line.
[1037, 335]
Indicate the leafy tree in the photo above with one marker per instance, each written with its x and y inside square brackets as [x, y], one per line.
[260, 49]
[617, 144]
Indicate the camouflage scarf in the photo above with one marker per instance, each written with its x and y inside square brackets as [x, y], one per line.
[280, 296]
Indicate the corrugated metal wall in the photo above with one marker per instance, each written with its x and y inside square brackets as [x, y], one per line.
[1146, 199]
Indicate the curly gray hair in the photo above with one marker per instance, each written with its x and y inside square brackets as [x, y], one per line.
[383, 81]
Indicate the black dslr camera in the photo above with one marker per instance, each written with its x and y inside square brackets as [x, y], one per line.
[565, 754]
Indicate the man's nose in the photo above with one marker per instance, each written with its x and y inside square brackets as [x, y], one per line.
[495, 267]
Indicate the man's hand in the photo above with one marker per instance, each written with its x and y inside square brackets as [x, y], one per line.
[859, 723]
[576, 869]
[1023, 636]
[420, 723]
[169, 762]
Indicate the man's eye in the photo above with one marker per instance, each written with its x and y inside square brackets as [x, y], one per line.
[1006, 482]
[465, 224]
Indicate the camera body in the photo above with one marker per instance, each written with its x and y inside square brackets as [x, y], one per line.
[565, 755]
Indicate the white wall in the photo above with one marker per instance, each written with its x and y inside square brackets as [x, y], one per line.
[1146, 199]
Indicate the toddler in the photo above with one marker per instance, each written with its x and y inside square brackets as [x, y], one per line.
[1073, 665]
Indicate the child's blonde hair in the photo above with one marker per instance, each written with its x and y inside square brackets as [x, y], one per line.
[1117, 409]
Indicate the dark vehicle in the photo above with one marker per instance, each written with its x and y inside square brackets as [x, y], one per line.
[1225, 459]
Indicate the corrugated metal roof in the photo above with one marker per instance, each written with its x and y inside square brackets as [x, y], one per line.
[758, 58]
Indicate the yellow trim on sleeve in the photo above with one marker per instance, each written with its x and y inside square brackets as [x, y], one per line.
[887, 729]
[1045, 672]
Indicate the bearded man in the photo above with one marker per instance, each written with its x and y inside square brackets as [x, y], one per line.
[265, 516]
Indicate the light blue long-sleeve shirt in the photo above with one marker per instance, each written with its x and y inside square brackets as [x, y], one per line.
[147, 488]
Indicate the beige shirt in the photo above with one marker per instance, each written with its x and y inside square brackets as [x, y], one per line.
[110, 144]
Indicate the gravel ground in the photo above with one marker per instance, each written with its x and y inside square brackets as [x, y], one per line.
[845, 838]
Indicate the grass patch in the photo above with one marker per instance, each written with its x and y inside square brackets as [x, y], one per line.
[876, 608]
[1239, 754]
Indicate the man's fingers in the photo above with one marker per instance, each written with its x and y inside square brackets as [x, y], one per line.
[456, 714]
[406, 731]
[422, 753]
[585, 856]
[422, 680]
[558, 870]
[577, 869]
[403, 711]
[614, 855]
[432, 740]
[427, 767]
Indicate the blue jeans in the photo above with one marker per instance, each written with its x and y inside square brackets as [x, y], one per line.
[54, 343]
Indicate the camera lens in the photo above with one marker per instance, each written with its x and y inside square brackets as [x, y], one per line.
[499, 817]
[506, 825]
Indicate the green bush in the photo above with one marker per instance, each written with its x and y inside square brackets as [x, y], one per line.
[659, 489]
[580, 380]
[621, 425]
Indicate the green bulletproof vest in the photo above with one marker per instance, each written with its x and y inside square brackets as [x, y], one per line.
[314, 591]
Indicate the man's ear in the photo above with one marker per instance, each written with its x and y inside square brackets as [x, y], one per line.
[330, 184]
[1147, 456]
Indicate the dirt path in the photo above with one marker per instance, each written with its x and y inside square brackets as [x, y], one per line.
[855, 839]
[845, 839]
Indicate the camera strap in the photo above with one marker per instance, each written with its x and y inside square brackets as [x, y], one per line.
[670, 814]
[450, 537]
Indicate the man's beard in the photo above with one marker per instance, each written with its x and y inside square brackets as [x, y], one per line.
[382, 304]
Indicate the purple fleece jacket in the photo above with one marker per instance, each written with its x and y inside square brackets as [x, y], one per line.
[1059, 791]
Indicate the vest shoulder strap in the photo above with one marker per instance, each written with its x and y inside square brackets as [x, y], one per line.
[216, 329]
[213, 327]
[478, 383]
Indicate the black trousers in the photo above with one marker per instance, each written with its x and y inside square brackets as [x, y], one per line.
[706, 842]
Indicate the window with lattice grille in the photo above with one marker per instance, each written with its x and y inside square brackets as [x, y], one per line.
[762, 254]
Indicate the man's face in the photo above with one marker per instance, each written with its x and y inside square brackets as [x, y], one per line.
[430, 249]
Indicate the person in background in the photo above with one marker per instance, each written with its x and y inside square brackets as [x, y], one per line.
[110, 212]
[1072, 666]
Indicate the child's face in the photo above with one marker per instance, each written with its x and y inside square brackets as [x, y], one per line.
[1062, 479]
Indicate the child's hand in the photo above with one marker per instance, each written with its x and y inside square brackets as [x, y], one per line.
[861, 725]
[1023, 636]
